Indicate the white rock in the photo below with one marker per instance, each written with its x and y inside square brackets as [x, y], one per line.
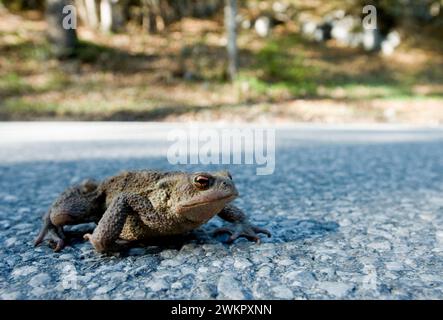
[263, 26]
[308, 28]
[387, 48]
[246, 24]
[279, 6]
[394, 38]
[341, 30]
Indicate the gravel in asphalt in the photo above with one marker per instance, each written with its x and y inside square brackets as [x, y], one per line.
[355, 214]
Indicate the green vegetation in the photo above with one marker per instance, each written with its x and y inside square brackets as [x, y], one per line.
[282, 69]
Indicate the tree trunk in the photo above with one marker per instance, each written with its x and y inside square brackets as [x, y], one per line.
[112, 15]
[61, 33]
[106, 23]
[81, 11]
[231, 30]
[91, 12]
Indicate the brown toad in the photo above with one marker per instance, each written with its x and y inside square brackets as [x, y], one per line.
[138, 205]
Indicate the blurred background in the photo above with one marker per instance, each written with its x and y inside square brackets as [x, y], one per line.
[222, 60]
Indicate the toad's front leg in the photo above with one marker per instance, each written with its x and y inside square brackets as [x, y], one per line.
[241, 226]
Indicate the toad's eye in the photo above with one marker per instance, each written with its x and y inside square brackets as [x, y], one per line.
[201, 182]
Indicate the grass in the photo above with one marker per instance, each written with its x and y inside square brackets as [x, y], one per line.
[283, 68]
[280, 69]
[13, 84]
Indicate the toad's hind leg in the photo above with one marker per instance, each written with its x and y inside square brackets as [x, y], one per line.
[78, 204]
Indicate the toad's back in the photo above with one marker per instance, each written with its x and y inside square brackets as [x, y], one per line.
[137, 182]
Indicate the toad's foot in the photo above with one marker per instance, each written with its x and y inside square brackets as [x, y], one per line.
[117, 246]
[242, 229]
[55, 234]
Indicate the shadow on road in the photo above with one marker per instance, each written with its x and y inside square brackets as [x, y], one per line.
[306, 229]
[295, 230]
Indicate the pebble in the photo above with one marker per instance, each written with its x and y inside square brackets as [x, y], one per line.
[40, 280]
[300, 278]
[264, 271]
[380, 246]
[105, 289]
[9, 198]
[336, 289]
[24, 271]
[66, 256]
[229, 288]
[285, 262]
[394, 266]
[117, 276]
[156, 284]
[242, 263]
[283, 292]
[171, 262]
[168, 254]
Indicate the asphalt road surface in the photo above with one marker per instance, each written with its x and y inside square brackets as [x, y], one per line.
[355, 212]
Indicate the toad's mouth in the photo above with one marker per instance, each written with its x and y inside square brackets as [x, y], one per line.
[209, 200]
